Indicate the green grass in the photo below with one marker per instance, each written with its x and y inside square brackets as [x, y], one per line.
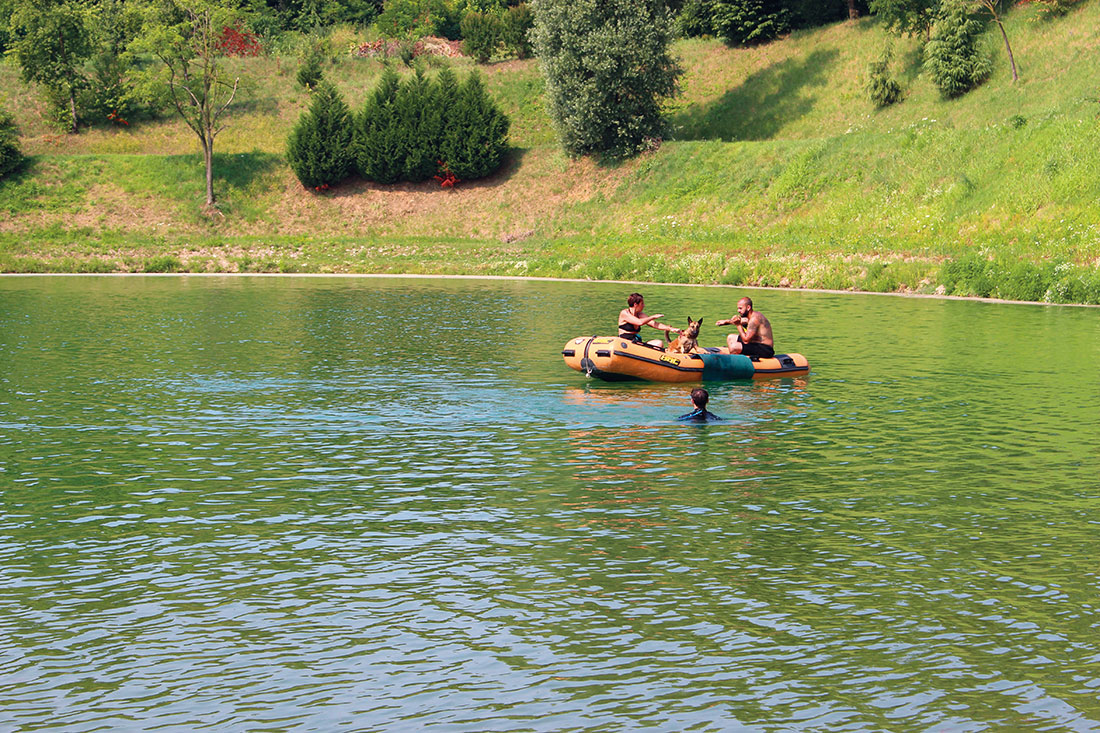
[779, 172]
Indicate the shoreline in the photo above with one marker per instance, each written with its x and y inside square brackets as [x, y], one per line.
[534, 278]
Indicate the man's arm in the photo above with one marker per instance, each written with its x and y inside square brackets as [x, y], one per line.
[748, 333]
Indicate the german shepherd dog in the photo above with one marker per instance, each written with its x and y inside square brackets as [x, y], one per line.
[688, 340]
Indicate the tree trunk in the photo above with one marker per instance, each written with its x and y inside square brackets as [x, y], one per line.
[208, 158]
[1011, 58]
[852, 12]
[72, 109]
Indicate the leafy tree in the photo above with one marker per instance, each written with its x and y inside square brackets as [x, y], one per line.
[480, 6]
[907, 17]
[309, 15]
[116, 87]
[11, 158]
[749, 22]
[608, 72]
[414, 18]
[475, 131]
[51, 43]
[319, 147]
[6, 7]
[359, 12]
[184, 34]
[994, 8]
[953, 55]
[379, 140]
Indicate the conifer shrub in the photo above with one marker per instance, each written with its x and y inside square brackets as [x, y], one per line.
[379, 137]
[417, 129]
[516, 24]
[318, 149]
[750, 22]
[481, 34]
[309, 72]
[694, 19]
[419, 119]
[954, 56]
[475, 132]
[11, 157]
[883, 89]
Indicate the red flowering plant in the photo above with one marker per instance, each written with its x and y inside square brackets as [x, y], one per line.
[445, 177]
[239, 41]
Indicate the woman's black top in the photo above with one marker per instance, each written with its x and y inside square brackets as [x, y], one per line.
[629, 330]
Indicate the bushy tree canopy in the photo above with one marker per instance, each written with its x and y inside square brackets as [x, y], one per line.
[608, 71]
[907, 17]
[52, 42]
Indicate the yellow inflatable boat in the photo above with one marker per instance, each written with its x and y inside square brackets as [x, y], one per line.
[615, 359]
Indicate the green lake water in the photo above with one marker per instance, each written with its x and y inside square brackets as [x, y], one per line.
[386, 504]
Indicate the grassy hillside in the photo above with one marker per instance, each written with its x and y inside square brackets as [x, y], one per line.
[779, 172]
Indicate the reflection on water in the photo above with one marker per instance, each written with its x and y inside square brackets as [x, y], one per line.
[257, 504]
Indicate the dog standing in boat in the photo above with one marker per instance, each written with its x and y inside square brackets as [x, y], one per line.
[688, 340]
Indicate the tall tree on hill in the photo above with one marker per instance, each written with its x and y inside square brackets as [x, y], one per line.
[608, 72]
[51, 43]
[184, 35]
[907, 17]
[994, 8]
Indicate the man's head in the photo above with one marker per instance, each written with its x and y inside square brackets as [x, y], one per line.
[700, 397]
[744, 307]
[633, 299]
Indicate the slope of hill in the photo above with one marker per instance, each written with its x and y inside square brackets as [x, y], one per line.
[779, 171]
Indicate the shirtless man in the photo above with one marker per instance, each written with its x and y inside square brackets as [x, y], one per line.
[754, 332]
